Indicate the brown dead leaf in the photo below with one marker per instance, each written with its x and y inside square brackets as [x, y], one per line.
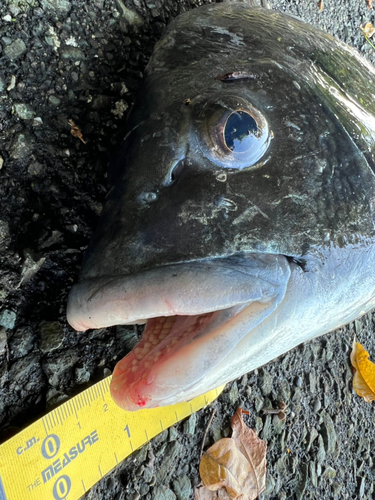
[202, 493]
[364, 377]
[237, 464]
[252, 447]
[369, 3]
[76, 131]
[223, 465]
[368, 30]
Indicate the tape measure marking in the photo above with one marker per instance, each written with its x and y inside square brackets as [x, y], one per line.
[72, 447]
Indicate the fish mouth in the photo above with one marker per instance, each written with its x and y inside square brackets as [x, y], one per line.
[196, 313]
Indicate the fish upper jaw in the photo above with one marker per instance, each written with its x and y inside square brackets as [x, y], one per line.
[196, 314]
[181, 289]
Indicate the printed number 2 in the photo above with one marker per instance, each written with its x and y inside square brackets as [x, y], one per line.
[127, 431]
[105, 407]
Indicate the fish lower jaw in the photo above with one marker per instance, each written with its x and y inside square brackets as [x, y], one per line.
[136, 377]
[176, 354]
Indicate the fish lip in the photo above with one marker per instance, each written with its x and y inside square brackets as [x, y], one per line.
[94, 288]
[99, 302]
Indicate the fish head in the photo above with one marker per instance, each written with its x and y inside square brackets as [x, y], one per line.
[244, 181]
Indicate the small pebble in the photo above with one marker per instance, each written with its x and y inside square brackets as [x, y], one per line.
[317, 405]
[189, 424]
[7, 319]
[51, 335]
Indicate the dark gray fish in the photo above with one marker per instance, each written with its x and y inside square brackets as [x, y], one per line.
[240, 221]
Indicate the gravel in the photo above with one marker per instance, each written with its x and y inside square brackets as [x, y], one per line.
[83, 61]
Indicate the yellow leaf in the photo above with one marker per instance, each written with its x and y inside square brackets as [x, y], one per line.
[368, 30]
[364, 377]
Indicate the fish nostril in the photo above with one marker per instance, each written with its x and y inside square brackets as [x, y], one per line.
[175, 173]
[148, 197]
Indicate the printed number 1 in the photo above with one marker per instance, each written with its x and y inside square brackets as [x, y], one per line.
[127, 431]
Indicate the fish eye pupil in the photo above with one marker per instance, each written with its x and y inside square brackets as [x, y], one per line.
[240, 132]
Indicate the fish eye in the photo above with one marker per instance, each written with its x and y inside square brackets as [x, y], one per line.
[232, 132]
[240, 132]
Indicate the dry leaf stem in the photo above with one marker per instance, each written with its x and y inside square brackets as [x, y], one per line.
[372, 45]
[205, 432]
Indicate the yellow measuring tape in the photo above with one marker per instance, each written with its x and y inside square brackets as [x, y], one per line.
[74, 446]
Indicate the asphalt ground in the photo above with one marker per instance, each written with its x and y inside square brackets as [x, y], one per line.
[84, 61]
